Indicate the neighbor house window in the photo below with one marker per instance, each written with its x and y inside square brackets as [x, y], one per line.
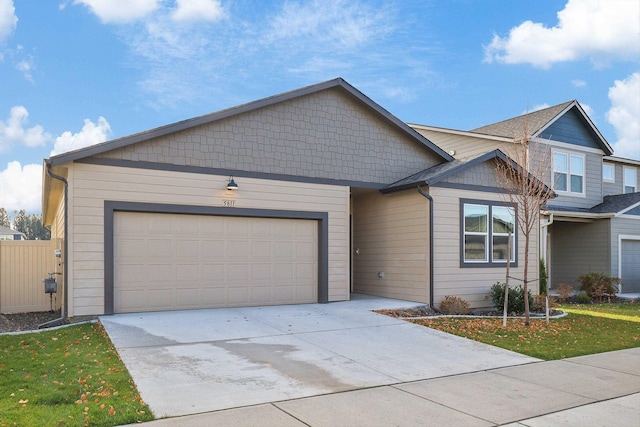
[568, 173]
[485, 233]
[608, 172]
[630, 180]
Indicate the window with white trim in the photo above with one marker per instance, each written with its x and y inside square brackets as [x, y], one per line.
[630, 180]
[485, 233]
[568, 173]
[608, 172]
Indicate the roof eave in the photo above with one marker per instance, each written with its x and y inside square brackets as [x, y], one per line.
[208, 118]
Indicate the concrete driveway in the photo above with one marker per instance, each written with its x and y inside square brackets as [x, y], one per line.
[188, 362]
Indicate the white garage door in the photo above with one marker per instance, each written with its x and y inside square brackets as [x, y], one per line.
[630, 263]
[175, 262]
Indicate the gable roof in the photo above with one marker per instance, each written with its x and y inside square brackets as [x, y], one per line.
[536, 122]
[442, 171]
[212, 117]
[9, 231]
[616, 203]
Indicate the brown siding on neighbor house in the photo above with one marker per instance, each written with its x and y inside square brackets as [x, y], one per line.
[325, 135]
[579, 248]
[23, 265]
[93, 184]
[472, 284]
[391, 236]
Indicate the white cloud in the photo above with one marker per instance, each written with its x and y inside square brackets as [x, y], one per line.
[336, 23]
[594, 29]
[198, 10]
[25, 66]
[120, 11]
[578, 83]
[8, 19]
[13, 131]
[624, 116]
[91, 133]
[21, 187]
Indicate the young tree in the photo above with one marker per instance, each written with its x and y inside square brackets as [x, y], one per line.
[526, 192]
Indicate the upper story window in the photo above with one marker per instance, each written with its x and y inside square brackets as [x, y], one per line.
[485, 228]
[568, 173]
[608, 172]
[630, 180]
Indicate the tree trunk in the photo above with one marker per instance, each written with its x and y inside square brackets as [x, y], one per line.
[525, 280]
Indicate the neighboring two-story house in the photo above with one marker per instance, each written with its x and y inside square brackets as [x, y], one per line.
[593, 225]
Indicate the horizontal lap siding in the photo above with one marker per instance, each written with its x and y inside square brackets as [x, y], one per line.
[391, 235]
[472, 284]
[464, 146]
[579, 248]
[93, 184]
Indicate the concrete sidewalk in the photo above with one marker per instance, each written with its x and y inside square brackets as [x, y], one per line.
[596, 390]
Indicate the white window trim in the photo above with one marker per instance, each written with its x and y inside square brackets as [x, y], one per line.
[613, 166]
[624, 181]
[568, 192]
[488, 260]
[486, 234]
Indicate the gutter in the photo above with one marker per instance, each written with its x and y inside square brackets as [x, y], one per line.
[577, 215]
[428, 196]
[63, 312]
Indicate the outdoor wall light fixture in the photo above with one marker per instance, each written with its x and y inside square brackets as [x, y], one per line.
[231, 185]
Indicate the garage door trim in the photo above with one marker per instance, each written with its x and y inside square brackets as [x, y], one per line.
[622, 237]
[110, 207]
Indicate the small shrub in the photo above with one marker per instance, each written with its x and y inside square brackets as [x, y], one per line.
[598, 285]
[543, 278]
[564, 291]
[515, 304]
[454, 305]
[583, 298]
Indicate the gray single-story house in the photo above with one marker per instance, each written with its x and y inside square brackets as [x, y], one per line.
[302, 197]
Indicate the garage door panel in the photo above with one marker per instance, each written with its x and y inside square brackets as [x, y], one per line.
[169, 261]
[630, 262]
[238, 249]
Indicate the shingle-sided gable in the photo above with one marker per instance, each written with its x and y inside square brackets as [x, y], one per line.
[327, 131]
[321, 135]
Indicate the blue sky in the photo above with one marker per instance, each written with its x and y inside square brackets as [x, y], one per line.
[79, 72]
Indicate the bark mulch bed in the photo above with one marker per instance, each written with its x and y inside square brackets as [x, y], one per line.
[20, 322]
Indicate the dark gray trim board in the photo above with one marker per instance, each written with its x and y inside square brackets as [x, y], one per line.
[225, 172]
[111, 207]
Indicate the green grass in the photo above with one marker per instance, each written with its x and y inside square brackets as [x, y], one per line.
[71, 376]
[576, 334]
[620, 311]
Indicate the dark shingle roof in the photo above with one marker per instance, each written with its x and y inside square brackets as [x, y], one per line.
[438, 173]
[617, 203]
[532, 122]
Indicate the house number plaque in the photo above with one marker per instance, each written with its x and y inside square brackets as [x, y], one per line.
[229, 203]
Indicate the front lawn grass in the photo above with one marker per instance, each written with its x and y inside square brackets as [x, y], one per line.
[570, 336]
[71, 376]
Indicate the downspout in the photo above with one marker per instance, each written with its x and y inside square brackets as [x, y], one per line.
[63, 312]
[428, 196]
